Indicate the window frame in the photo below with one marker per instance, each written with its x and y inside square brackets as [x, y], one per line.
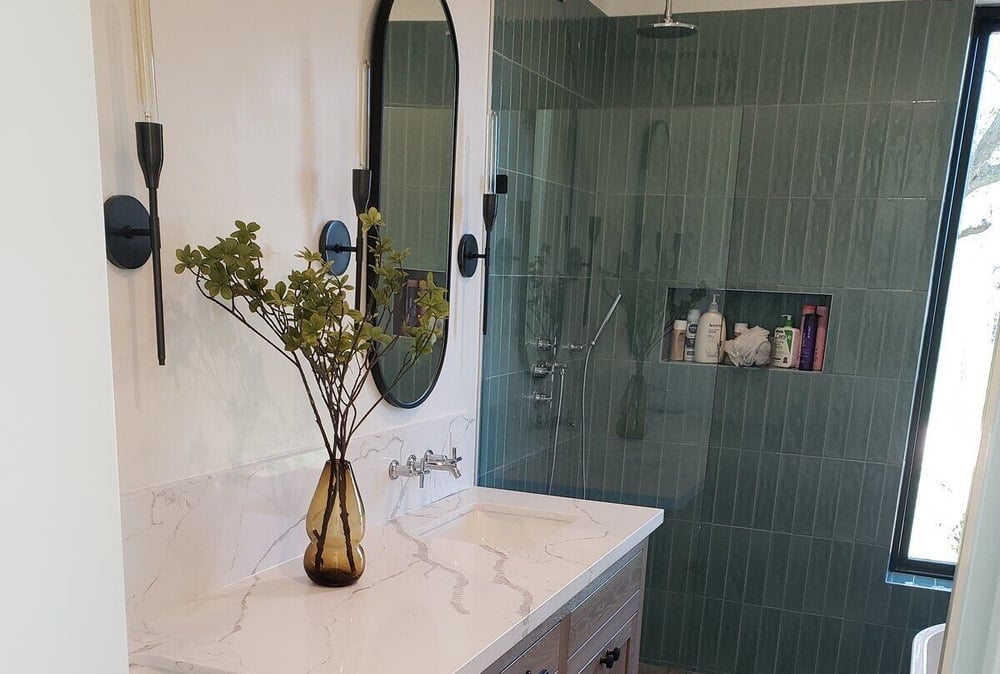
[986, 22]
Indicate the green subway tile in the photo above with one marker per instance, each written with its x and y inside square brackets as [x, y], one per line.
[932, 84]
[912, 50]
[872, 155]
[871, 647]
[805, 145]
[749, 633]
[772, 56]
[788, 639]
[767, 481]
[803, 518]
[762, 150]
[744, 149]
[817, 53]
[827, 496]
[924, 150]
[699, 152]
[869, 508]
[847, 504]
[857, 583]
[794, 417]
[751, 53]
[814, 590]
[887, 510]
[898, 136]
[818, 243]
[775, 229]
[860, 252]
[828, 150]
[786, 124]
[866, 44]
[851, 637]
[887, 52]
[777, 566]
[806, 649]
[707, 63]
[839, 67]
[792, 67]
[841, 398]
[680, 138]
[785, 490]
[767, 642]
[727, 78]
[851, 150]
[796, 256]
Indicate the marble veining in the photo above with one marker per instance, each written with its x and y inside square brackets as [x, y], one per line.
[186, 539]
[474, 601]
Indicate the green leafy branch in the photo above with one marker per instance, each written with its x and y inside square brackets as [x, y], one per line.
[309, 319]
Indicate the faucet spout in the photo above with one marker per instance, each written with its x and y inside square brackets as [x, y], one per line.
[442, 462]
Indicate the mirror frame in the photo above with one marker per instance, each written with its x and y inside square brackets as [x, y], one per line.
[375, 122]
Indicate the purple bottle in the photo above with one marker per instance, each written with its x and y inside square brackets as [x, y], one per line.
[810, 329]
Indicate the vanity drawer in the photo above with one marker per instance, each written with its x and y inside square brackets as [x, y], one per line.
[541, 658]
[596, 610]
[618, 654]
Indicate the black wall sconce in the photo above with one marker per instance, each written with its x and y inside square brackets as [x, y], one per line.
[469, 255]
[132, 233]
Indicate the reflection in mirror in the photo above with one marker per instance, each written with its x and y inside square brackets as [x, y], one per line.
[415, 93]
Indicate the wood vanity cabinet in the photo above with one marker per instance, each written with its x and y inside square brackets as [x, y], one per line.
[595, 632]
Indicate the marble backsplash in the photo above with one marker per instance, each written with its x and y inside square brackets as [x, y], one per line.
[193, 536]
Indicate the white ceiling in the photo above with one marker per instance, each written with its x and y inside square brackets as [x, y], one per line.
[644, 7]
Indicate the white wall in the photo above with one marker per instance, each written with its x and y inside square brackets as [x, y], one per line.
[259, 106]
[972, 640]
[62, 588]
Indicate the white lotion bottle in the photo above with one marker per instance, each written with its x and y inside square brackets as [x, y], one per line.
[708, 343]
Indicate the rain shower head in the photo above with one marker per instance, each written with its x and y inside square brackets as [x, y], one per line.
[607, 318]
[667, 28]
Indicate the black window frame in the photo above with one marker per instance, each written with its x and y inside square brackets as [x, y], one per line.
[986, 22]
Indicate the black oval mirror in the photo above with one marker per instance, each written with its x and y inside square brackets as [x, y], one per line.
[414, 91]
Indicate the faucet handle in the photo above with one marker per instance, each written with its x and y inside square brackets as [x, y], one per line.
[454, 455]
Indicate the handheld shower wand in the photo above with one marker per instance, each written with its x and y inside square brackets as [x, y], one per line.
[607, 319]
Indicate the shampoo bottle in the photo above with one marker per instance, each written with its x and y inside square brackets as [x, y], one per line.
[692, 331]
[810, 327]
[707, 346]
[786, 344]
[821, 328]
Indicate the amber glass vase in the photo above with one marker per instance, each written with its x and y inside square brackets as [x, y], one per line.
[336, 525]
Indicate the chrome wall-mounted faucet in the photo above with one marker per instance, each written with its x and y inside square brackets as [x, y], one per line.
[443, 462]
[422, 468]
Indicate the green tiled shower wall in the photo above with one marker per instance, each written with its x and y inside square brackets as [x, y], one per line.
[798, 150]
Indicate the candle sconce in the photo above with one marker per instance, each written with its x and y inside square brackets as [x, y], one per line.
[132, 233]
[469, 255]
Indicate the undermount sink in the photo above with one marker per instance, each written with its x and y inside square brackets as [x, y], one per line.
[499, 526]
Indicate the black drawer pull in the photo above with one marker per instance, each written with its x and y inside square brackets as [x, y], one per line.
[611, 657]
[544, 671]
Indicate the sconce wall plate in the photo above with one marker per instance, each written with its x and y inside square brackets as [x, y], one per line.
[126, 232]
[335, 246]
[469, 255]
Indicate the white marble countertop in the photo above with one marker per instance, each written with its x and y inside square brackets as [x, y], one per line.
[425, 605]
